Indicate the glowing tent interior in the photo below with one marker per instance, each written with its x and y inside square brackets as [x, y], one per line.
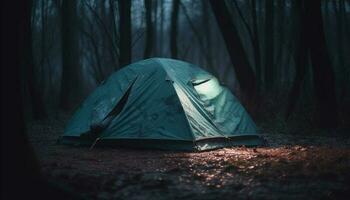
[164, 104]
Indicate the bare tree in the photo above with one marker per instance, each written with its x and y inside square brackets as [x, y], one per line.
[323, 75]
[125, 32]
[20, 170]
[36, 97]
[256, 43]
[269, 44]
[313, 37]
[70, 55]
[149, 29]
[161, 34]
[244, 72]
[339, 30]
[281, 24]
[300, 57]
[173, 29]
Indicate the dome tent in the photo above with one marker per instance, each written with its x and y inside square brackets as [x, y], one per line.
[165, 104]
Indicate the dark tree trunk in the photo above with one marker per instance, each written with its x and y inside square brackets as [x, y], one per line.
[244, 72]
[114, 33]
[323, 75]
[17, 151]
[300, 58]
[161, 34]
[339, 30]
[149, 30]
[344, 85]
[281, 32]
[70, 55]
[208, 37]
[339, 12]
[256, 44]
[125, 32]
[36, 97]
[20, 172]
[313, 41]
[173, 29]
[45, 62]
[155, 21]
[346, 4]
[269, 72]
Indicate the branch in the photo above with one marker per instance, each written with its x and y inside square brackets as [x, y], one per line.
[98, 72]
[195, 31]
[244, 20]
[103, 26]
[137, 38]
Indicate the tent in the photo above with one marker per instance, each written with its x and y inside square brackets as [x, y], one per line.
[164, 104]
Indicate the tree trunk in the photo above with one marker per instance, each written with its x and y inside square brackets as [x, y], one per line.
[281, 32]
[256, 44]
[114, 33]
[149, 30]
[346, 4]
[300, 57]
[344, 85]
[338, 9]
[208, 37]
[125, 32]
[36, 97]
[173, 29]
[20, 171]
[313, 38]
[269, 45]
[155, 10]
[244, 73]
[161, 34]
[323, 75]
[339, 31]
[70, 56]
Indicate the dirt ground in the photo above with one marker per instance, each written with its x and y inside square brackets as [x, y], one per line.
[291, 167]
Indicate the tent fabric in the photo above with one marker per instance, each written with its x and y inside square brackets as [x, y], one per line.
[165, 104]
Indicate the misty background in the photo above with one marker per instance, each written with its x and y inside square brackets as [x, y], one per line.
[77, 44]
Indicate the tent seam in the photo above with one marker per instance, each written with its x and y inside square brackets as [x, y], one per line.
[183, 109]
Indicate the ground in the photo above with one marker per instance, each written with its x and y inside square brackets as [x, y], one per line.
[290, 167]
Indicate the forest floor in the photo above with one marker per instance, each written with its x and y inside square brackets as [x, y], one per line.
[291, 167]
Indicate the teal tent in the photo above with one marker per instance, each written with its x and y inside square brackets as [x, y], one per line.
[165, 104]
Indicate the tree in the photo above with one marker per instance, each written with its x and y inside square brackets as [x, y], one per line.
[280, 29]
[161, 34]
[20, 171]
[149, 30]
[269, 44]
[155, 10]
[256, 43]
[339, 30]
[323, 75]
[300, 57]
[253, 36]
[38, 106]
[207, 36]
[339, 11]
[244, 72]
[313, 37]
[173, 28]
[124, 32]
[70, 55]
